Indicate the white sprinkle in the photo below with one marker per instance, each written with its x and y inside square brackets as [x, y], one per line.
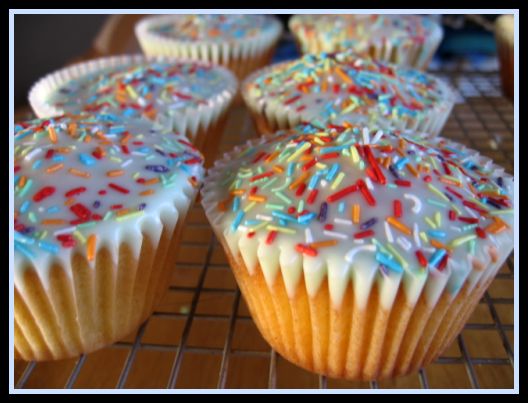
[366, 136]
[404, 243]
[264, 217]
[417, 207]
[471, 212]
[377, 137]
[342, 221]
[32, 153]
[457, 229]
[429, 250]
[126, 163]
[368, 182]
[359, 241]
[349, 257]
[323, 183]
[388, 232]
[416, 236]
[243, 228]
[308, 235]
[335, 234]
[64, 231]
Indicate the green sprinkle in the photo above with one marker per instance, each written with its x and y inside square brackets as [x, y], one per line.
[272, 180]
[435, 190]
[462, 240]
[130, 215]
[32, 217]
[500, 212]
[399, 258]
[437, 203]
[281, 229]
[249, 206]
[79, 236]
[274, 206]
[438, 218]
[430, 222]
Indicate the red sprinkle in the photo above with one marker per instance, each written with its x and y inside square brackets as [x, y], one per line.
[253, 190]
[300, 189]
[305, 250]
[443, 263]
[329, 156]
[366, 193]
[46, 191]
[118, 188]
[469, 220]
[251, 234]
[473, 206]
[292, 100]
[49, 154]
[398, 209]
[125, 150]
[401, 182]
[450, 190]
[342, 193]
[102, 192]
[80, 211]
[312, 196]
[427, 178]
[116, 206]
[271, 237]
[364, 234]
[421, 258]
[480, 233]
[264, 175]
[192, 161]
[329, 227]
[452, 215]
[75, 191]
[309, 164]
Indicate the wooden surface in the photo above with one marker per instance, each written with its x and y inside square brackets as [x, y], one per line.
[482, 123]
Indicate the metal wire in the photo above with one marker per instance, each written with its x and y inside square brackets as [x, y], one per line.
[227, 352]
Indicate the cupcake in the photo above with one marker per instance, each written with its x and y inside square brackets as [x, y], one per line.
[185, 96]
[99, 206]
[504, 26]
[242, 43]
[343, 88]
[407, 40]
[360, 253]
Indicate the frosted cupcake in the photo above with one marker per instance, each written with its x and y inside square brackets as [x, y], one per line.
[360, 253]
[99, 207]
[504, 30]
[242, 43]
[343, 88]
[185, 96]
[407, 40]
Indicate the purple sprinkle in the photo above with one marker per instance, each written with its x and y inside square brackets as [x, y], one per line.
[500, 182]
[28, 230]
[142, 206]
[157, 168]
[160, 152]
[322, 212]
[393, 171]
[491, 202]
[383, 269]
[96, 204]
[369, 223]
[448, 196]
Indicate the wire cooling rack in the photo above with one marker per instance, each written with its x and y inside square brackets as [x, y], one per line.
[201, 335]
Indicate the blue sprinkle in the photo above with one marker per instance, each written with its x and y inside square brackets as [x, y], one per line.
[436, 234]
[388, 262]
[313, 181]
[23, 239]
[96, 204]
[236, 204]
[37, 164]
[117, 129]
[290, 169]
[142, 206]
[306, 218]
[24, 250]
[86, 159]
[53, 209]
[400, 164]
[58, 158]
[283, 216]
[341, 207]
[237, 220]
[24, 206]
[437, 257]
[333, 172]
[48, 246]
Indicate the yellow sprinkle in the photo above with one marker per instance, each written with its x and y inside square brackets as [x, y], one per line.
[79, 236]
[257, 198]
[438, 219]
[435, 190]
[354, 154]
[430, 222]
[284, 230]
[340, 176]
[249, 206]
[305, 146]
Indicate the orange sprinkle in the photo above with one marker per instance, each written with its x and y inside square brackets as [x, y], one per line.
[147, 192]
[54, 168]
[152, 181]
[125, 139]
[356, 211]
[150, 114]
[69, 201]
[387, 162]
[399, 225]
[401, 143]
[412, 170]
[222, 205]
[72, 128]
[88, 138]
[272, 156]
[400, 152]
[115, 172]
[63, 150]
[52, 134]
[257, 198]
[299, 180]
[53, 221]
[90, 247]
[238, 192]
[323, 244]
[122, 212]
[324, 86]
[21, 181]
[278, 169]
[450, 182]
[76, 172]
[342, 74]
[440, 245]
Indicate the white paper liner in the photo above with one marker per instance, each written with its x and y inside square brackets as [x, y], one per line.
[404, 53]
[187, 121]
[278, 116]
[235, 51]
